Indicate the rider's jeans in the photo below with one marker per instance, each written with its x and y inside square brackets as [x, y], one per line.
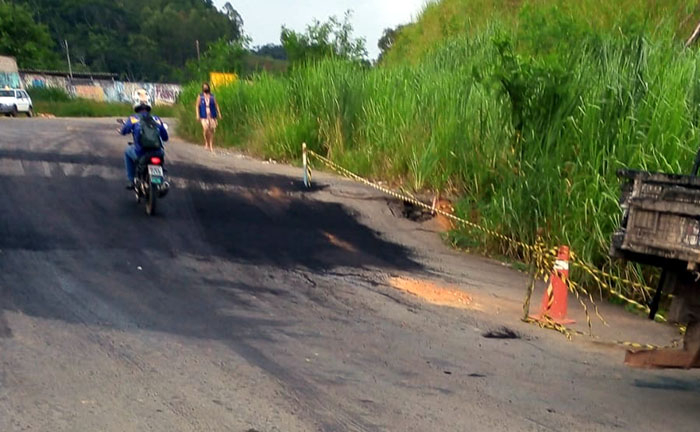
[130, 158]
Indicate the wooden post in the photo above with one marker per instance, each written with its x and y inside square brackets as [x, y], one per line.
[533, 277]
[692, 344]
[305, 160]
[530, 290]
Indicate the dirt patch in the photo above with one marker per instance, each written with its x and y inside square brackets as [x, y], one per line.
[276, 192]
[432, 292]
[444, 223]
[335, 241]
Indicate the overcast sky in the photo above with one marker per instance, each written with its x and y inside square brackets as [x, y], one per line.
[264, 18]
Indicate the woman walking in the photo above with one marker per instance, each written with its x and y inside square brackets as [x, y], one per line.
[208, 114]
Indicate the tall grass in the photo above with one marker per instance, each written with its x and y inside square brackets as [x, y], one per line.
[528, 134]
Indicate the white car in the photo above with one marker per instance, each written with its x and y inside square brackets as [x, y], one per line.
[14, 101]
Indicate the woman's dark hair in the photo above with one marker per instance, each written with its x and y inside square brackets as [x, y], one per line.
[206, 85]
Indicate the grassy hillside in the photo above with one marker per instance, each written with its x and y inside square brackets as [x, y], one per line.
[525, 115]
[445, 19]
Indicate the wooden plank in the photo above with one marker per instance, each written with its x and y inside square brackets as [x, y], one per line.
[661, 250]
[663, 359]
[660, 178]
[688, 358]
[664, 206]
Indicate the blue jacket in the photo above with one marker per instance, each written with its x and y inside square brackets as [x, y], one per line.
[213, 107]
[132, 125]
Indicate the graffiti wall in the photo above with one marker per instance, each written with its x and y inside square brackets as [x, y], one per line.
[105, 90]
[9, 76]
[34, 80]
[9, 79]
[94, 92]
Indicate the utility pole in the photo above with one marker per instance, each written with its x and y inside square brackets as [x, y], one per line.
[70, 68]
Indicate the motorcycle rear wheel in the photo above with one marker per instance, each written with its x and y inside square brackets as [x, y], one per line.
[151, 200]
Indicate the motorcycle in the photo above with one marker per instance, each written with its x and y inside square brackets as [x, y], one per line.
[150, 183]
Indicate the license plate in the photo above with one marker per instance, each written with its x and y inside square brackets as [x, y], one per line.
[155, 170]
[156, 173]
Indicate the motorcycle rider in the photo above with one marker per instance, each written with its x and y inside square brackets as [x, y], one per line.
[132, 125]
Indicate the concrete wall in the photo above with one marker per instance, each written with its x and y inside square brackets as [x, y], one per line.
[104, 89]
[9, 77]
[33, 80]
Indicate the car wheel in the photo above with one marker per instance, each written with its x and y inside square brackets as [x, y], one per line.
[30, 113]
[14, 111]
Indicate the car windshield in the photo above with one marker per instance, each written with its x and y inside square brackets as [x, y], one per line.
[6, 93]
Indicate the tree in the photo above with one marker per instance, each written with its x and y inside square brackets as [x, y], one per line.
[21, 37]
[332, 38]
[386, 42]
[137, 39]
[221, 56]
[236, 20]
[276, 52]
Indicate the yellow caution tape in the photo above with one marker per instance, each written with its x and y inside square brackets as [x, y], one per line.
[541, 257]
[548, 323]
[347, 173]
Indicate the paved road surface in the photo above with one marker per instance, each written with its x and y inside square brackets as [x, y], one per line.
[248, 305]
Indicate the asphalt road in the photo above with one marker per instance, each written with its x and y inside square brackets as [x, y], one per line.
[249, 305]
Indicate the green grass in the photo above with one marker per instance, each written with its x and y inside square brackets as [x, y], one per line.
[526, 125]
[57, 102]
[48, 94]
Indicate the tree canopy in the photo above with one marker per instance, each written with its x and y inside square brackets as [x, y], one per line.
[160, 40]
[274, 51]
[333, 38]
[386, 42]
[137, 39]
[21, 37]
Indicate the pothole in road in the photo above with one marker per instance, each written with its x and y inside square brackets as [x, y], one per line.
[502, 333]
[432, 292]
[410, 211]
[420, 214]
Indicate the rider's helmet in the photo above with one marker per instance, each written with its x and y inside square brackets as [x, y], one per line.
[142, 100]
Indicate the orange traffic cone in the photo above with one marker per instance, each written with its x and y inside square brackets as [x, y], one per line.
[555, 299]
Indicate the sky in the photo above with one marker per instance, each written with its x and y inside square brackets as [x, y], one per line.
[264, 18]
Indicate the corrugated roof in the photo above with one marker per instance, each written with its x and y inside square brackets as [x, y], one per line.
[99, 75]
